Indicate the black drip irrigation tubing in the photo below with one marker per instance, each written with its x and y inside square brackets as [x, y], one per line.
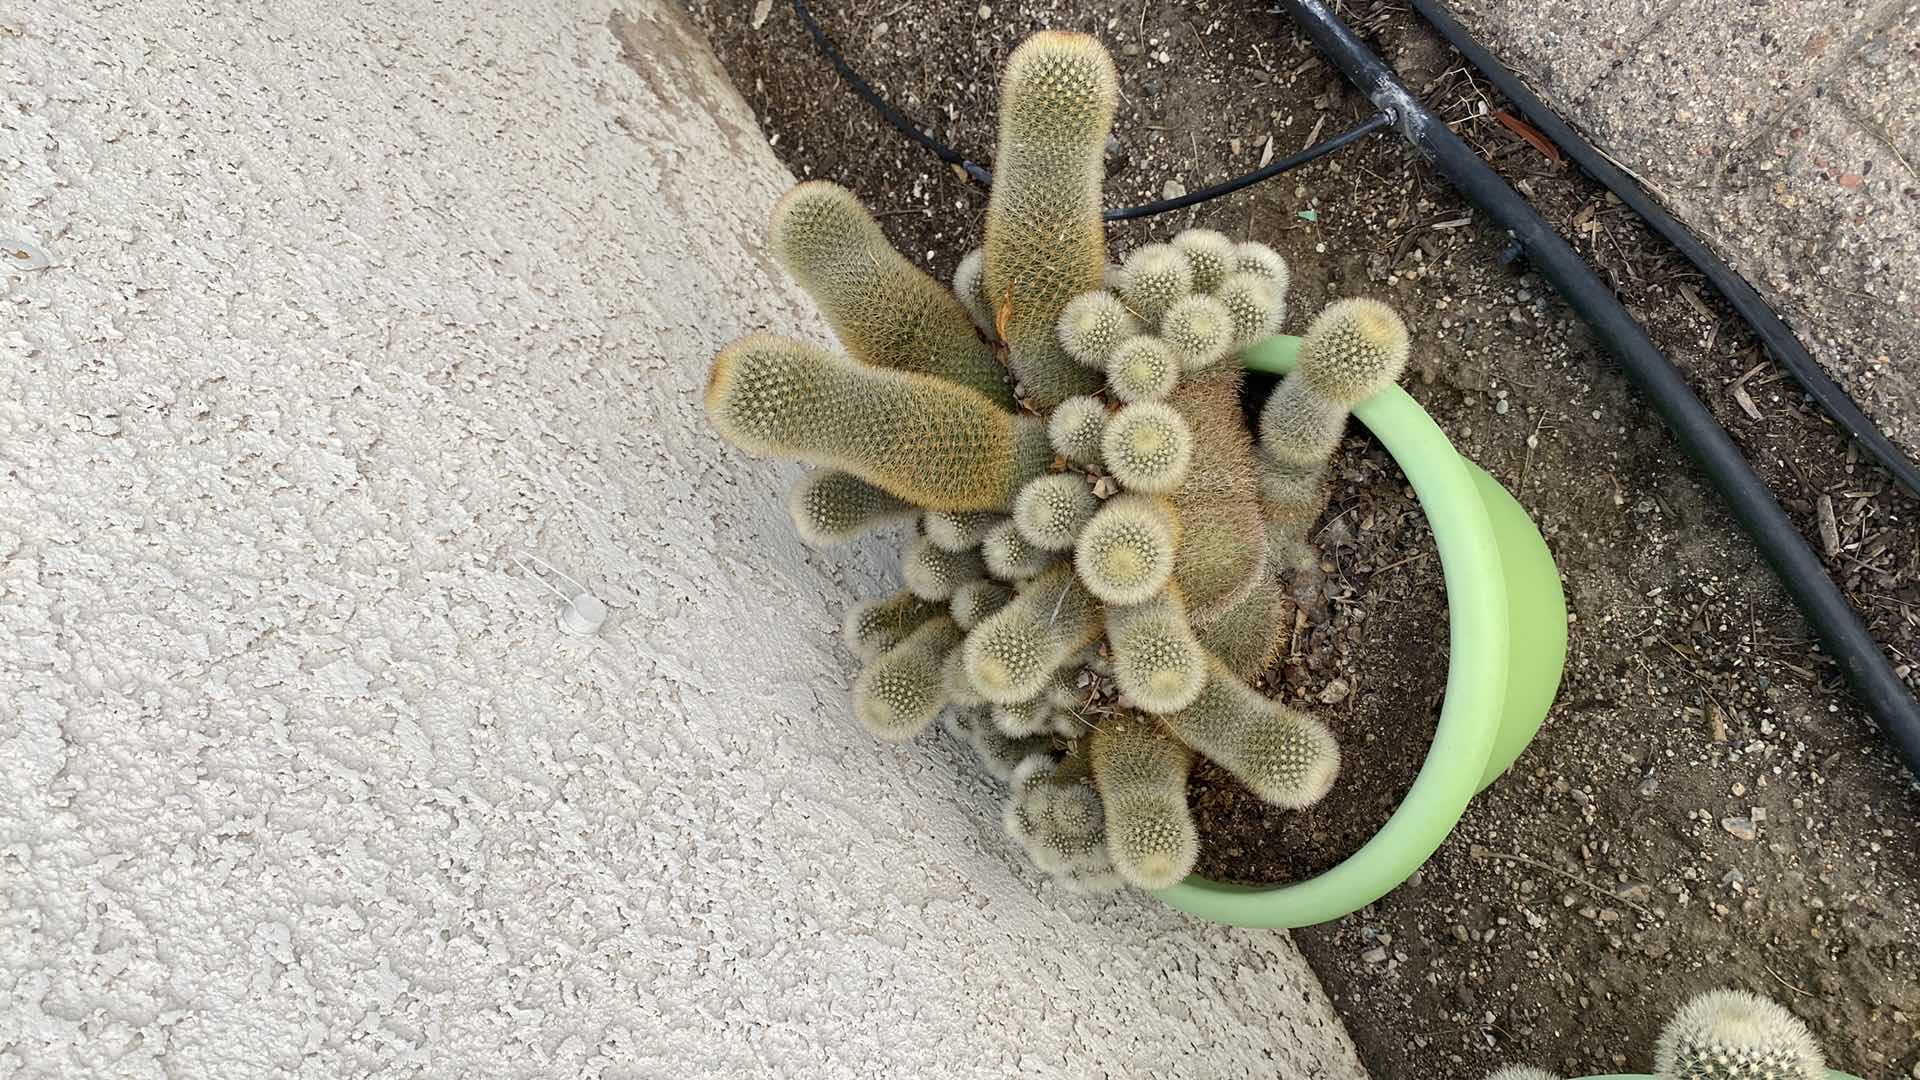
[1832, 617]
[1774, 334]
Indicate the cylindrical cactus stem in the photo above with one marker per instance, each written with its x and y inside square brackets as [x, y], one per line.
[958, 530]
[885, 310]
[1223, 538]
[1198, 331]
[1251, 257]
[1282, 755]
[1143, 368]
[976, 600]
[1255, 306]
[1292, 497]
[1734, 1035]
[925, 440]
[1156, 659]
[1056, 818]
[1052, 509]
[1298, 427]
[878, 625]
[1210, 256]
[1521, 1072]
[1148, 447]
[1001, 754]
[954, 684]
[1024, 718]
[1094, 324]
[832, 507]
[1126, 553]
[1076, 428]
[933, 573]
[970, 287]
[1045, 241]
[1152, 279]
[1014, 652]
[1354, 349]
[900, 693]
[1249, 635]
[1141, 771]
[1009, 556]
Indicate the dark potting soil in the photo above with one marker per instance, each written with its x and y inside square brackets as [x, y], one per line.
[1369, 657]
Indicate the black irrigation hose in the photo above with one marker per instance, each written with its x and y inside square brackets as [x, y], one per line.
[1838, 627]
[1779, 340]
[1317, 150]
[983, 176]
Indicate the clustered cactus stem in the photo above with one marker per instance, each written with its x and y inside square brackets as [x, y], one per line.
[1723, 1035]
[1094, 587]
[1352, 350]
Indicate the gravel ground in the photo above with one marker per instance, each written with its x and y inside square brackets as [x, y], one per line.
[1705, 805]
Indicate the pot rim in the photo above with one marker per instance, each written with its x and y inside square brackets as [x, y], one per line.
[1470, 713]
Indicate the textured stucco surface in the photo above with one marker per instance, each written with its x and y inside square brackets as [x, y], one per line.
[349, 304]
[1786, 133]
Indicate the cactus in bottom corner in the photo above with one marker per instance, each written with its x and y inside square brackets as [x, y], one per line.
[929, 442]
[1141, 772]
[1280, 754]
[901, 692]
[1013, 652]
[1521, 1072]
[1734, 1035]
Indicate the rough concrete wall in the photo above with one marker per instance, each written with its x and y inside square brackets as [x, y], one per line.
[1785, 132]
[349, 304]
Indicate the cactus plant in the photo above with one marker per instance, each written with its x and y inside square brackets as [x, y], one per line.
[1734, 1035]
[1097, 581]
[1723, 1035]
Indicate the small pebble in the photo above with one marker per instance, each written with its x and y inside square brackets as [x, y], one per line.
[1740, 828]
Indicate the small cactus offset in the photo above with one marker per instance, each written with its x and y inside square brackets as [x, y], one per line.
[1723, 1035]
[1097, 580]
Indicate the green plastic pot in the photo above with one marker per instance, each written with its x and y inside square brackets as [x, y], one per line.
[1507, 643]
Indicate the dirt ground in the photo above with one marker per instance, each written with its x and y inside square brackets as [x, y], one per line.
[1705, 806]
